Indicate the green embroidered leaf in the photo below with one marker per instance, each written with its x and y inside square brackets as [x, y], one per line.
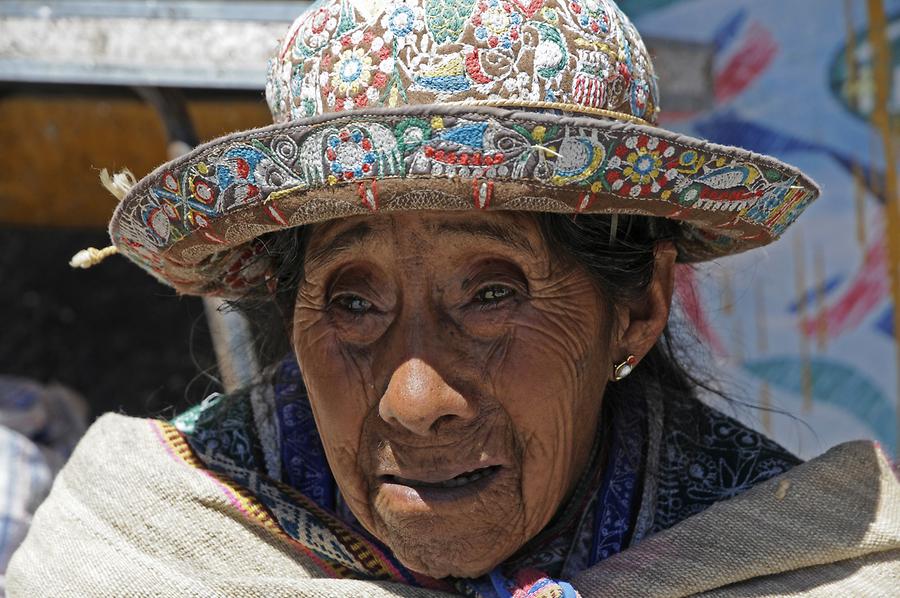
[347, 20]
[446, 19]
[522, 131]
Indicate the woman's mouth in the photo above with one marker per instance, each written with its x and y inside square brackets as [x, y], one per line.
[464, 479]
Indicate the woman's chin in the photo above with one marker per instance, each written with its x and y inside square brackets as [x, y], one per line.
[456, 532]
[443, 561]
[440, 548]
[441, 571]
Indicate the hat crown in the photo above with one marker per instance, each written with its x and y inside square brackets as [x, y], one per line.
[574, 55]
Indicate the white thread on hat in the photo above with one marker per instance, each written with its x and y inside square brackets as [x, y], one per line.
[118, 184]
[91, 256]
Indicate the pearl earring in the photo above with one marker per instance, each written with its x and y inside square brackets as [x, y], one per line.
[623, 369]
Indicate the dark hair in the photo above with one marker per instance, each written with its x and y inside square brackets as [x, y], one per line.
[618, 252]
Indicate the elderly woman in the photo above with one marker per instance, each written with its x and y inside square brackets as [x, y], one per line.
[469, 225]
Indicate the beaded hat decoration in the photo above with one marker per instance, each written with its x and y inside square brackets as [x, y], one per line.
[397, 105]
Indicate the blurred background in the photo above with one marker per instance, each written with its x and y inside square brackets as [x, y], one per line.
[804, 329]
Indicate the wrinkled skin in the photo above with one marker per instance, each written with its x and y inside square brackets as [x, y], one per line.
[434, 344]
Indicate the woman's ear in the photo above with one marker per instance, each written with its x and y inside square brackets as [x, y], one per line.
[641, 323]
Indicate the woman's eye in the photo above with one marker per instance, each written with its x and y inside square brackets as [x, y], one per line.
[490, 296]
[354, 304]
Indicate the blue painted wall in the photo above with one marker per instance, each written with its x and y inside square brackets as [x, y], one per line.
[804, 325]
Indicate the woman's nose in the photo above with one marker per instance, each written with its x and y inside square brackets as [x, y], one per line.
[418, 399]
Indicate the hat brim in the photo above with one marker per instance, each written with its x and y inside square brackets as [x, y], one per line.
[192, 221]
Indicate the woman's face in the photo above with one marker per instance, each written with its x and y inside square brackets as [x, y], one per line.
[455, 368]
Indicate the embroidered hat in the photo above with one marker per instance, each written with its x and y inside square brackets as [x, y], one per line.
[395, 105]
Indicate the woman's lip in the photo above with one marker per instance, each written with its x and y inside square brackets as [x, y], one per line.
[437, 478]
[416, 494]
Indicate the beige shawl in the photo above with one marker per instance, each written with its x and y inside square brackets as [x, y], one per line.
[125, 518]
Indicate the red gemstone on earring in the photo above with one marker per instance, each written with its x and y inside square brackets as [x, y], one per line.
[625, 368]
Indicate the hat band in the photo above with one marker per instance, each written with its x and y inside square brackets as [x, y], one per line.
[573, 108]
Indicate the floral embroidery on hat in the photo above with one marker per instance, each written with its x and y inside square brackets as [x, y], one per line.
[352, 72]
[402, 23]
[642, 166]
[421, 51]
[317, 32]
[591, 15]
[496, 23]
[350, 154]
[581, 59]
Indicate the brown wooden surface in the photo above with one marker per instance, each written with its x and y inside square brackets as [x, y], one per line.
[55, 144]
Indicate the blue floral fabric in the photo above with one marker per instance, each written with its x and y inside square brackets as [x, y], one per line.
[708, 457]
[302, 456]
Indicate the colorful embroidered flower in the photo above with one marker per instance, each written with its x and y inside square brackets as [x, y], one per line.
[591, 15]
[198, 219]
[316, 32]
[403, 23]
[642, 166]
[359, 75]
[496, 23]
[169, 182]
[350, 154]
[352, 72]
[690, 162]
[202, 190]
